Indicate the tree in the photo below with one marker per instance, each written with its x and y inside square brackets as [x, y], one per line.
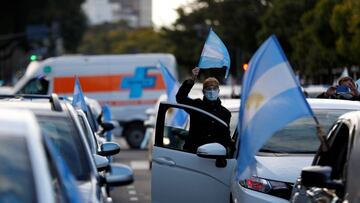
[345, 21]
[282, 18]
[118, 38]
[314, 47]
[17, 15]
[235, 21]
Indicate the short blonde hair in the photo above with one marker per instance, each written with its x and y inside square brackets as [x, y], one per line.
[211, 81]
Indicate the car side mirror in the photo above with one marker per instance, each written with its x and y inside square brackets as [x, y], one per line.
[107, 126]
[101, 162]
[109, 149]
[315, 176]
[213, 151]
[119, 175]
[319, 176]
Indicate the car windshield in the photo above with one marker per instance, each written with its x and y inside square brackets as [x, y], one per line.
[68, 142]
[17, 173]
[300, 135]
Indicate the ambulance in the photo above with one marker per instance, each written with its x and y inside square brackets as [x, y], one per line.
[129, 84]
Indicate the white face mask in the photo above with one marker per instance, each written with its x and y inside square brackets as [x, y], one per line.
[211, 95]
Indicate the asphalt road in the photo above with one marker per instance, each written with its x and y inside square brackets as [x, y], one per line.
[140, 190]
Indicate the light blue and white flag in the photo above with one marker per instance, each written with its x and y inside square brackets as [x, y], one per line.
[271, 98]
[214, 54]
[78, 96]
[172, 86]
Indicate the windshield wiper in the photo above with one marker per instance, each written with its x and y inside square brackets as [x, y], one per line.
[272, 151]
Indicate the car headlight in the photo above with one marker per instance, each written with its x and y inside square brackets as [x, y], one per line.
[271, 187]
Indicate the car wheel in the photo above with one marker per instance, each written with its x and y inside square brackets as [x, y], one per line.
[134, 134]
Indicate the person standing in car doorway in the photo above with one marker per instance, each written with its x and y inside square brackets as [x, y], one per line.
[203, 129]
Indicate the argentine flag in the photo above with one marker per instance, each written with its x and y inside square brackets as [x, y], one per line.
[271, 98]
[179, 117]
[78, 96]
[214, 54]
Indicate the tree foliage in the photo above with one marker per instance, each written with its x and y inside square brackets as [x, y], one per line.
[17, 15]
[120, 39]
[345, 21]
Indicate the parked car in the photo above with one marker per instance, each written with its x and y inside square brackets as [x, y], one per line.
[128, 83]
[212, 169]
[58, 120]
[31, 170]
[334, 174]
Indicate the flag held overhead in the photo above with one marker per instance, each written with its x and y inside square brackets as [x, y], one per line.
[271, 98]
[214, 54]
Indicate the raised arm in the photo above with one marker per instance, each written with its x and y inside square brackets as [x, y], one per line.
[185, 88]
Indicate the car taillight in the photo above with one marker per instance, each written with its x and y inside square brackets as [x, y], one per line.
[275, 188]
[256, 183]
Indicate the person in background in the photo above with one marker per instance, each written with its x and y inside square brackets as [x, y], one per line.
[203, 129]
[346, 89]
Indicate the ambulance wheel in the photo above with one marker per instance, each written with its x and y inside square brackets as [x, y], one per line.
[135, 133]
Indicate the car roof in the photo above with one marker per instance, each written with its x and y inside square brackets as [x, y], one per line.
[234, 104]
[38, 106]
[333, 104]
[18, 123]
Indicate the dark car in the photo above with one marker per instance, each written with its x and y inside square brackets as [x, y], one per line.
[333, 176]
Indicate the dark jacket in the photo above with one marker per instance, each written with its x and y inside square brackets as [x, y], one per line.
[337, 96]
[203, 129]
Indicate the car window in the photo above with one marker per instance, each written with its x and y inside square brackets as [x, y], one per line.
[300, 136]
[59, 193]
[88, 135]
[175, 131]
[188, 136]
[337, 153]
[16, 172]
[68, 142]
[35, 86]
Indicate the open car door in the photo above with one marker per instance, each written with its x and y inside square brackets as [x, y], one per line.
[179, 176]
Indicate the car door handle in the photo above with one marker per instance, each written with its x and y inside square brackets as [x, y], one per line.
[165, 161]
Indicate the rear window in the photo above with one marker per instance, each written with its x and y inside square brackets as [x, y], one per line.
[16, 174]
[300, 135]
[68, 142]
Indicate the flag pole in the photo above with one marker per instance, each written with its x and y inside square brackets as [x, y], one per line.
[321, 135]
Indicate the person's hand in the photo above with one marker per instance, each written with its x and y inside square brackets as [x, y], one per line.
[330, 91]
[353, 89]
[195, 72]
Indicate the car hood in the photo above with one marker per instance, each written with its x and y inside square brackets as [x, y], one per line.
[284, 168]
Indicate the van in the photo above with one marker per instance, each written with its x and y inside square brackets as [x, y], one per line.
[129, 84]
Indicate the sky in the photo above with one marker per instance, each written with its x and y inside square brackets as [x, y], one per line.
[164, 11]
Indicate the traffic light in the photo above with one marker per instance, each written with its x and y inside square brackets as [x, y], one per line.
[33, 57]
[245, 66]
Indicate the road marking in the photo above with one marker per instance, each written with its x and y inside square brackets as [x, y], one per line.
[134, 199]
[139, 165]
[132, 192]
[130, 187]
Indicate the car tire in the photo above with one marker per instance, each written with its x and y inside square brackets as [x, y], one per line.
[134, 134]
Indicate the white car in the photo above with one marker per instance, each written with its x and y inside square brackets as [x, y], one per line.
[210, 174]
[31, 170]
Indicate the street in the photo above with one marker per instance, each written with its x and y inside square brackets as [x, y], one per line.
[140, 190]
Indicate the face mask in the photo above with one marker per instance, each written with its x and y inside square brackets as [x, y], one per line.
[211, 95]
